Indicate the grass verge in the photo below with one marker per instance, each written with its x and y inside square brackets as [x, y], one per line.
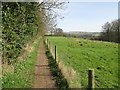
[23, 76]
[61, 82]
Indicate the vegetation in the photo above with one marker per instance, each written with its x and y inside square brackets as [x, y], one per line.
[84, 35]
[82, 54]
[22, 24]
[56, 72]
[56, 32]
[110, 32]
[23, 76]
[25, 22]
[19, 22]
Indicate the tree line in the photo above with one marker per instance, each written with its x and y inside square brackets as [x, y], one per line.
[110, 32]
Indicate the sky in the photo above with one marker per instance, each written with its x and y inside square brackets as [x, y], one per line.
[88, 16]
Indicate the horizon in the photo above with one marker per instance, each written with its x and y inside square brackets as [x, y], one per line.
[88, 16]
[79, 31]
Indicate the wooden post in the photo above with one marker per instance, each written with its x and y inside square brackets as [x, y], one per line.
[55, 52]
[47, 41]
[91, 79]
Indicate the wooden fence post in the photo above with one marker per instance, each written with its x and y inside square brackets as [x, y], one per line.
[50, 46]
[91, 78]
[47, 41]
[55, 52]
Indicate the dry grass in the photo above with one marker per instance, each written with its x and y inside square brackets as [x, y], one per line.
[29, 48]
[68, 72]
[10, 68]
[7, 68]
[70, 75]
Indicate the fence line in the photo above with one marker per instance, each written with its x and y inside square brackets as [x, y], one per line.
[90, 71]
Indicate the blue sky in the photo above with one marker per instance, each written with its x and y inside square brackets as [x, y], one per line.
[88, 16]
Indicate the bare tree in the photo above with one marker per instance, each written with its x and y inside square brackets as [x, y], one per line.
[110, 31]
[50, 14]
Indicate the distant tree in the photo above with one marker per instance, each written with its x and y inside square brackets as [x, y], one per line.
[58, 31]
[105, 31]
[110, 32]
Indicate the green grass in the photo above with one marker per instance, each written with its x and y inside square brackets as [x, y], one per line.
[23, 76]
[82, 54]
[61, 82]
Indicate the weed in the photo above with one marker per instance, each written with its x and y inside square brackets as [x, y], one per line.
[23, 76]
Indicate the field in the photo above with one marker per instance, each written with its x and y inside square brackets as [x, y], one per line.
[82, 54]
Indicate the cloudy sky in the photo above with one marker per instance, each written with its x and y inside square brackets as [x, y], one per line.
[88, 16]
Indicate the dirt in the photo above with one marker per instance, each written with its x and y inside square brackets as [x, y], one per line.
[43, 77]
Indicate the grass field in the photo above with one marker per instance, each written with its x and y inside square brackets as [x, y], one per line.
[23, 75]
[81, 54]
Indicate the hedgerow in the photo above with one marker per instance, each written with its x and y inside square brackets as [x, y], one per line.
[20, 25]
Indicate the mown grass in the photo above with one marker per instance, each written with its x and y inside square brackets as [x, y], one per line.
[82, 54]
[23, 76]
[61, 82]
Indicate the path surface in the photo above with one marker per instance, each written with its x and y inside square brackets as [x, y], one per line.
[43, 77]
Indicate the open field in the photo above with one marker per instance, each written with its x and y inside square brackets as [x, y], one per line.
[81, 54]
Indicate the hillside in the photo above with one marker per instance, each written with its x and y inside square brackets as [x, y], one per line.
[82, 54]
[83, 33]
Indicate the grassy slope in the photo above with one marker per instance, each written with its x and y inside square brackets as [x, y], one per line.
[24, 72]
[83, 54]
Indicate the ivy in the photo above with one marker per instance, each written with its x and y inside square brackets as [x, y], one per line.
[19, 22]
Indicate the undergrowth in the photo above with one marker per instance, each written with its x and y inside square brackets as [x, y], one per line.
[61, 82]
[23, 76]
